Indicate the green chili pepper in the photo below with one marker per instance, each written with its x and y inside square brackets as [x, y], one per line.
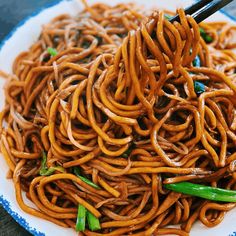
[210, 193]
[81, 218]
[207, 38]
[52, 51]
[199, 87]
[197, 62]
[45, 171]
[87, 181]
[93, 222]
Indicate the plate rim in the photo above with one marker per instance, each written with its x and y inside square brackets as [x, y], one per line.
[18, 218]
[4, 202]
[25, 19]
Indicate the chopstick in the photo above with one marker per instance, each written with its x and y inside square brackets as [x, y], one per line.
[203, 9]
[210, 9]
[192, 9]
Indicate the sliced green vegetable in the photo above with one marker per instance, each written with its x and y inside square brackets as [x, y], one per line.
[85, 44]
[197, 62]
[52, 51]
[44, 163]
[202, 31]
[167, 16]
[207, 38]
[84, 214]
[76, 171]
[199, 87]
[58, 168]
[93, 222]
[81, 218]
[100, 39]
[87, 181]
[206, 192]
[45, 171]
[128, 151]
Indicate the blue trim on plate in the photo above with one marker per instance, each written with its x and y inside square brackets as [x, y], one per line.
[228, 15]
[5, 203]
[19, 219]
[21, 23]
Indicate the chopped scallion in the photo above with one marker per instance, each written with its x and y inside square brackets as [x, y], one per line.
[52, 51]
[87, 181]
[45, 171]
[128, 151]
[93, 222]
[76, 171]
[207, 192]
[81, 218]
[207, 38]
[199, 87]
[197, 62]
[167, 16]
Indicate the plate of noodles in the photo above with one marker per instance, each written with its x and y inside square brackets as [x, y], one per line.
[116, 122]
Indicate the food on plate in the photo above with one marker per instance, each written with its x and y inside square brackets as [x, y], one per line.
[119, 122]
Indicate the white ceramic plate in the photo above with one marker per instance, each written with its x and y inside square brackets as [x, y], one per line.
[20, 39]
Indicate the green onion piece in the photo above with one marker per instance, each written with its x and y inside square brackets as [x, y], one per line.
[93, 222]
[85, 44]
[58, 168]
[99, 39]
[128, 151]
[206, 192]
[202, 31]
[44, 161]
[81, 218]
[87, 181]
[125, 155]
[76, 171]
[45, 171]
[207, 38]
[199, 87]
[51, 170]
[52, 51]
[167, 16]
[44, 168]
[197, 62]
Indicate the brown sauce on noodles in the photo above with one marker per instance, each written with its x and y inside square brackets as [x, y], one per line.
[118, 100]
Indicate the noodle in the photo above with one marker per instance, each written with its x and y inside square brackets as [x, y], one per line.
[112, 92]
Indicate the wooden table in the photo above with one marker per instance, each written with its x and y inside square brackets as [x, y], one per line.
[14, 11]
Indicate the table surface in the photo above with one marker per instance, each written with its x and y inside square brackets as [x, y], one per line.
[11, 12]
